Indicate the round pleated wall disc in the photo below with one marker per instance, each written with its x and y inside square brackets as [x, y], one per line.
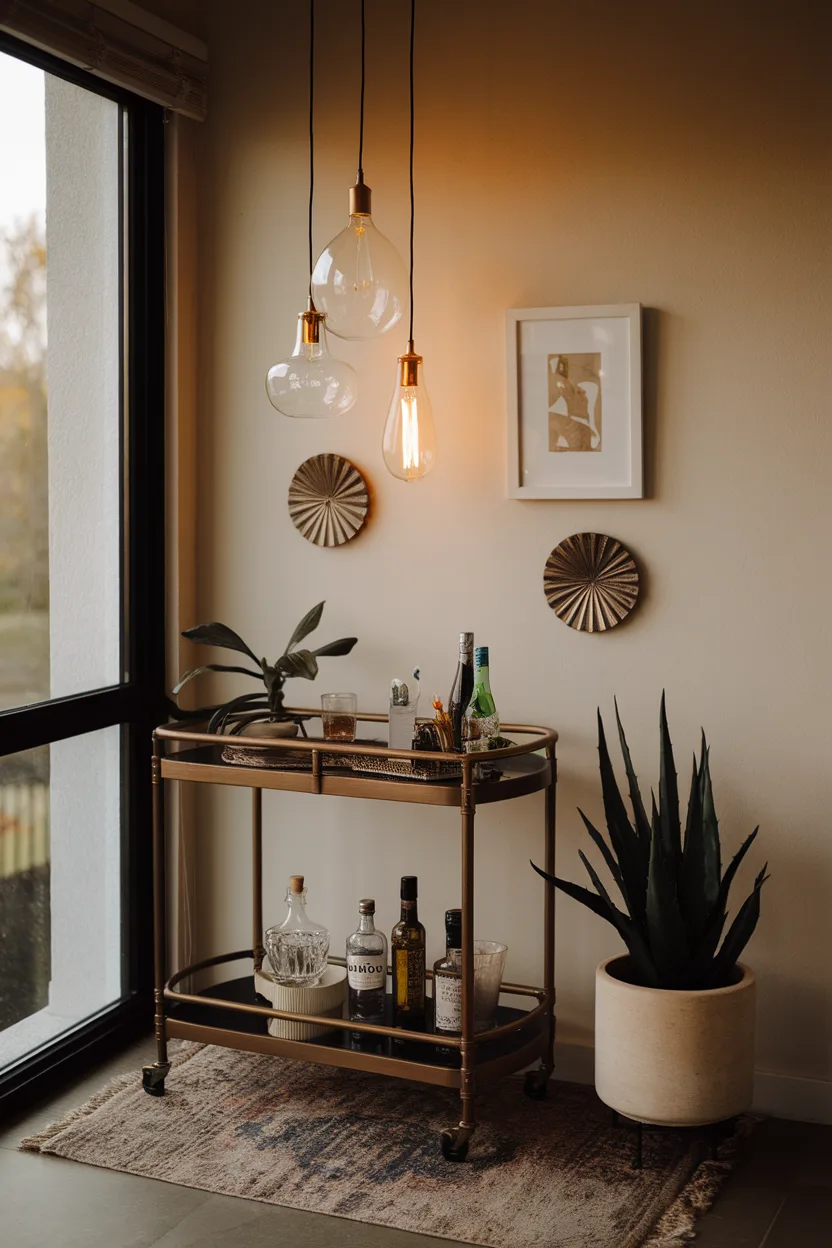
[591, 582]
[328, 500]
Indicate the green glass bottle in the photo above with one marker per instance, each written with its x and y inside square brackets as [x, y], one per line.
[481, 724]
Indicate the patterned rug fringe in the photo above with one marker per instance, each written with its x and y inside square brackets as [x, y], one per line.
[676, 1227]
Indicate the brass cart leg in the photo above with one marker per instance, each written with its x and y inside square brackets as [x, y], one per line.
[257, 877]
[537, 1080]
[455, 1140]
[153, 1077]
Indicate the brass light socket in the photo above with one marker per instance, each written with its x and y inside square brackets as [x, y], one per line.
[360, 198]
[410, 362]
[311, 321]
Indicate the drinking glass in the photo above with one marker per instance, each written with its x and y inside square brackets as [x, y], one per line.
[489, 965]
[338, 711]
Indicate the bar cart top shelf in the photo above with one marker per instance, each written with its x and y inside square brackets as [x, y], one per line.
[519, 769]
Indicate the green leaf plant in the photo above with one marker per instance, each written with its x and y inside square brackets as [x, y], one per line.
[674, 891]
[265, 703]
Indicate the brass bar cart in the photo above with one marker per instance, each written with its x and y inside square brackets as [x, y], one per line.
[230, 1014]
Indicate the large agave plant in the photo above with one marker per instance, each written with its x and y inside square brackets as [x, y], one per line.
[674, 890]
[265, 703]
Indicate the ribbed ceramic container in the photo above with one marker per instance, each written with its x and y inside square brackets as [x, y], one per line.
[676, 1059]
[326, 997]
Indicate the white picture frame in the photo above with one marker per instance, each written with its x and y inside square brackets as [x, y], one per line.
[574, 402]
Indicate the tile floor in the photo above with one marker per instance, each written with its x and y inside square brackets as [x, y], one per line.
[779, 1196]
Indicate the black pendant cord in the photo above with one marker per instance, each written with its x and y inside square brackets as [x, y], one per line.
[412, 133]
[361, 108]
[311, 132]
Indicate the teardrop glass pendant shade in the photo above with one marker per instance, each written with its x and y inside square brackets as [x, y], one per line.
[409, 441]
[310, 384]
[359, 280]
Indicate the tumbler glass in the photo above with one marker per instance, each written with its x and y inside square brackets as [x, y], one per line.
[489, 965]
[338, 711]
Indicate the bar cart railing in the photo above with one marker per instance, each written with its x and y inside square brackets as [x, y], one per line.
[228, 1014]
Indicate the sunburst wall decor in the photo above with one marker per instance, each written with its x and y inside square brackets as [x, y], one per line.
[328, 500]
[591, 582]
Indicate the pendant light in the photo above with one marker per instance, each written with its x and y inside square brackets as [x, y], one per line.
[359, 280]
[310, 383]
[409, 441]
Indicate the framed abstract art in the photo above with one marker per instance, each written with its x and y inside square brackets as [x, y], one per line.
[574, 402]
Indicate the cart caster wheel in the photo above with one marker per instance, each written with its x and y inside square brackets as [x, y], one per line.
[535, 1084]
[153, 1078]
[452, 1151]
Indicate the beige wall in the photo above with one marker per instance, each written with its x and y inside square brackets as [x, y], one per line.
[674, 155]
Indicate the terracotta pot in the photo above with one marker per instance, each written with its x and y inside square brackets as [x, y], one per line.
[269, 728]
[674, 1058]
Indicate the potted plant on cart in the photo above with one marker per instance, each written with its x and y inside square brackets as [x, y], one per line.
[674, 1017]
[261, 712]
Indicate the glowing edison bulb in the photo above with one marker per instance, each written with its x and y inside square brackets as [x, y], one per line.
[359, 280]
[409, 442]
[310, 383]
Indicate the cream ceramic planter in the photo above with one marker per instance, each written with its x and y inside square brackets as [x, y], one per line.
[680, 1059]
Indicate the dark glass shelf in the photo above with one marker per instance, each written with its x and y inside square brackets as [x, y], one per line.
[242, 991]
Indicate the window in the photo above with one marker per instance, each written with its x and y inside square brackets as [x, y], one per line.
[81, 551]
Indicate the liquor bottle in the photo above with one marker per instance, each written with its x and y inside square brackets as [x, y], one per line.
[366, 966]
[298, 947]
[407, 946]
[481, 724]
[447, 979]
[463, 686]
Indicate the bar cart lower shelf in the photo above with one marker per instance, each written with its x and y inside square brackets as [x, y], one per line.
[232, 1015]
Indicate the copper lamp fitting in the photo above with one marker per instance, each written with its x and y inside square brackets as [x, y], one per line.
[311, 324]
[360, 198]
[410, 362]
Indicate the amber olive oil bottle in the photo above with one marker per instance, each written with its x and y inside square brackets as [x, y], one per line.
[407, 946]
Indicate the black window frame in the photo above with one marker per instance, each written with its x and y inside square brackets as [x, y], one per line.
[139, 703]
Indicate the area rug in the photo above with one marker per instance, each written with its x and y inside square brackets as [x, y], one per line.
[548, 1174]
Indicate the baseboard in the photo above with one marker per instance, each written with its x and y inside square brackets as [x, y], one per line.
[783, 1096]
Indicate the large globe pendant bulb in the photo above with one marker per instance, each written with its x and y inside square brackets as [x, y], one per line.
[310, 384]
[360, 280]
[409, 439]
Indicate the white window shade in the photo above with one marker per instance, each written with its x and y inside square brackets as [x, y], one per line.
[120, 42]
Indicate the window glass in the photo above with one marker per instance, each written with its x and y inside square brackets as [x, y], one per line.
[60, 888]
[60, 386]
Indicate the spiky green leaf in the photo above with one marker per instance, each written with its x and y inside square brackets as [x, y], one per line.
[665, 927]
[710, 823]
[639, 813]
[669, 798]
[697, 891]
[623, 838]
[643, 962]
[607, 855]
[307, 625]
[738, 935]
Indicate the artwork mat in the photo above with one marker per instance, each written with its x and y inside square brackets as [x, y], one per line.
[630, 398]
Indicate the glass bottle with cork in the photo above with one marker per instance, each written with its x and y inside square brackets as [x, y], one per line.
[407, 946]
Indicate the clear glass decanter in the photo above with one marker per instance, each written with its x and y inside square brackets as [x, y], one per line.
[297, 947]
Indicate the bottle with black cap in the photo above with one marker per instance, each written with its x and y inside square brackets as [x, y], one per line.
[407, 946]
[447, 979]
